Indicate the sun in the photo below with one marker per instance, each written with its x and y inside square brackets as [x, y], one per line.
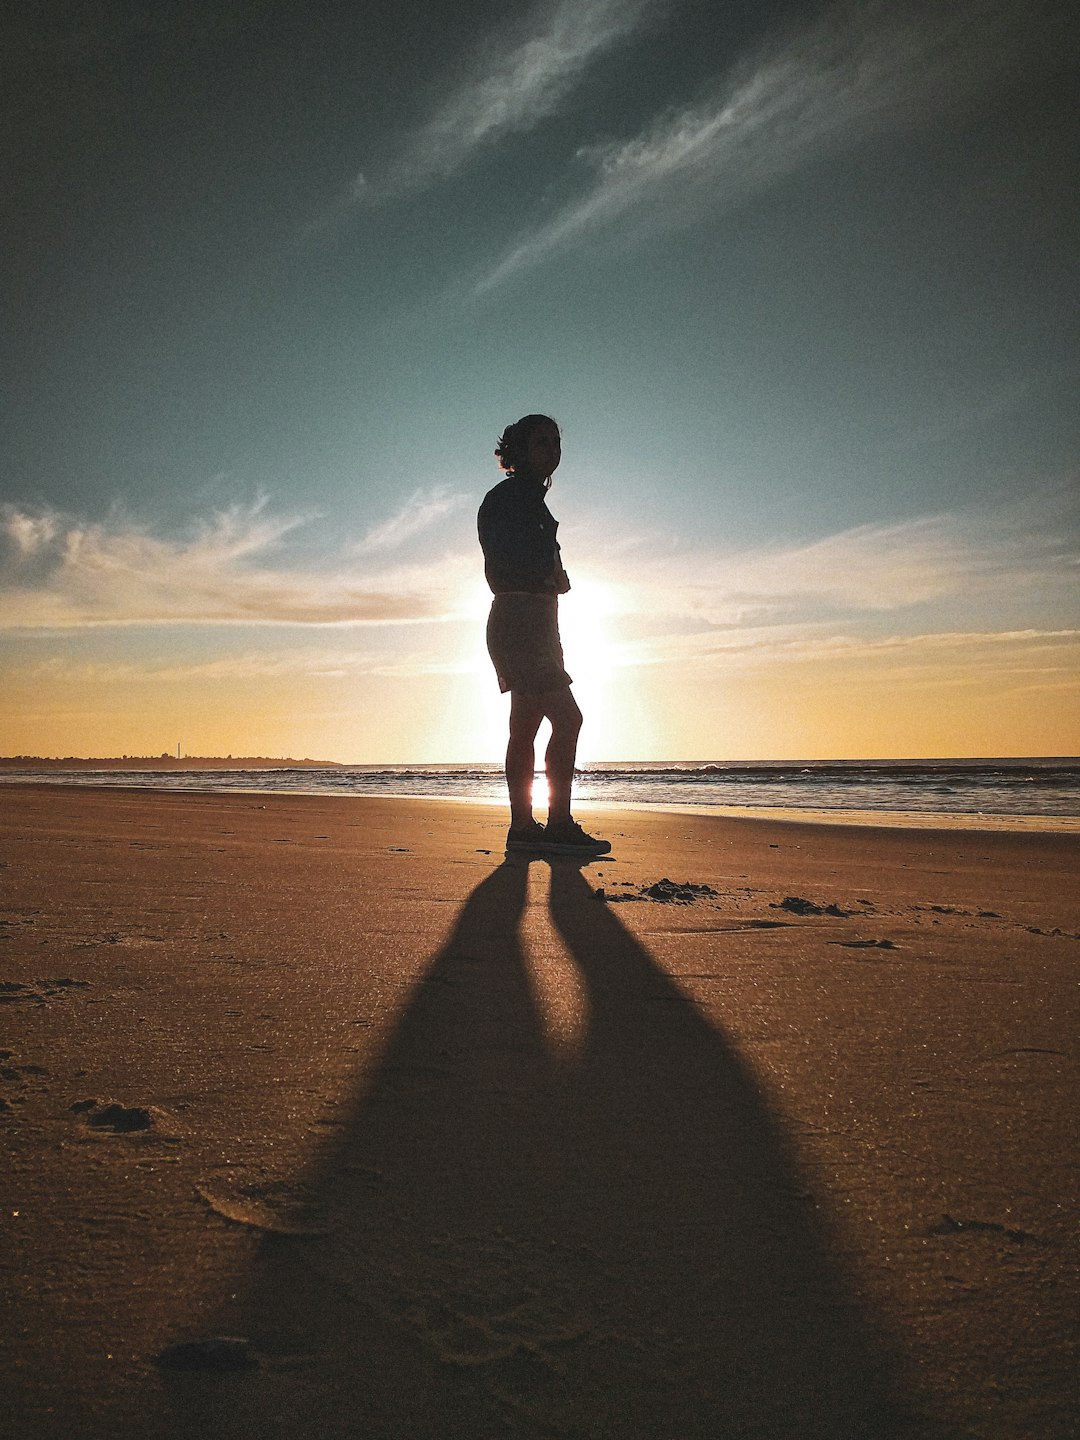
[585, 626]
[585, 616]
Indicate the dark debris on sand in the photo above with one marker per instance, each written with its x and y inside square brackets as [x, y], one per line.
[120, 1119]
[667, 892]
[796, 905]
[38, 991]
[950, 1225]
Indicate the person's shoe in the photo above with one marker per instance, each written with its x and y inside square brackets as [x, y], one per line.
[571, 839]
[525, 837]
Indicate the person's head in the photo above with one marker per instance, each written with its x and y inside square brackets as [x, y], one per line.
[531, 448]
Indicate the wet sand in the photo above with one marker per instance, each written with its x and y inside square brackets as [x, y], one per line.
[320, 1119]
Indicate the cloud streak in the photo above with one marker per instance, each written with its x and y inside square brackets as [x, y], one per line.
[310, 660]
[1002, 559]
[1026, 658]
[57, 572]
[516, 85]
[857, 71]
[419, 513]
[1007, 576]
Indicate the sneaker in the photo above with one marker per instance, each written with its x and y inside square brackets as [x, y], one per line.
[525, 837]
[571, 839]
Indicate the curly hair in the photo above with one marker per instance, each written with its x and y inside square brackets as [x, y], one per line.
[514, 441]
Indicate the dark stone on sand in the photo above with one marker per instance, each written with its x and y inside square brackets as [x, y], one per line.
[669, 892]
[797, 905]
[121, 1119]
[217, 1353]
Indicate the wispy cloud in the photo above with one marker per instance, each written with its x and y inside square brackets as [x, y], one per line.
[1031, 657]
[521, 79]
[27, 534]
[1003, 558]
[858, 70]
[524, 86]
[308, 660]
[60, 572]
[419, 513]
[997, 586]
[989, 591]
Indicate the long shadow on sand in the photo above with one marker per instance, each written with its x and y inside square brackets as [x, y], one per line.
[613, 1245]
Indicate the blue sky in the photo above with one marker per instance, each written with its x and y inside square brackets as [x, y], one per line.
[798, 282]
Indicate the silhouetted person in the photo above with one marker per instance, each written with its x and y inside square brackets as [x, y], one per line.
[524, 569]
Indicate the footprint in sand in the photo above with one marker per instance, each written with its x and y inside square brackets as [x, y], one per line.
[109, 1117]
[261, 1204]
[22, 1077]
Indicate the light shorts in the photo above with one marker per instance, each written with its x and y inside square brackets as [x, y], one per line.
[524, 645]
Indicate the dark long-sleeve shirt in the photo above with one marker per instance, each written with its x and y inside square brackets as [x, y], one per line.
[517, 534]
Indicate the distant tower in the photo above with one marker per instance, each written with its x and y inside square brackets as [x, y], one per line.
[178, 749]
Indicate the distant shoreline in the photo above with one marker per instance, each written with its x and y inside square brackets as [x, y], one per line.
[168, 762]
[1037, 794]
[766, 767]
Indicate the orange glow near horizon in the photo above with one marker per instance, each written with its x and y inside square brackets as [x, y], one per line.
[431, 697]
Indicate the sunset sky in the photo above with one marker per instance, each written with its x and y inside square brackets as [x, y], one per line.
[799, 283]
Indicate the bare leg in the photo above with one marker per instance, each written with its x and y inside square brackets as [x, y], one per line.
[526, 713]
[562, 710]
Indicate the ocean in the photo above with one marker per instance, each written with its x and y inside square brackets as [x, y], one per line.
[1024, 792]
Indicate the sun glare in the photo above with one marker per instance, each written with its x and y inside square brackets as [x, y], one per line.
[584, 616]
[584, 625]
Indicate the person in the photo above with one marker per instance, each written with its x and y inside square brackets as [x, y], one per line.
[523, 567]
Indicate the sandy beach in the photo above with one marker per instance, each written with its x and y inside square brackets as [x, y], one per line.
[320, 1118]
